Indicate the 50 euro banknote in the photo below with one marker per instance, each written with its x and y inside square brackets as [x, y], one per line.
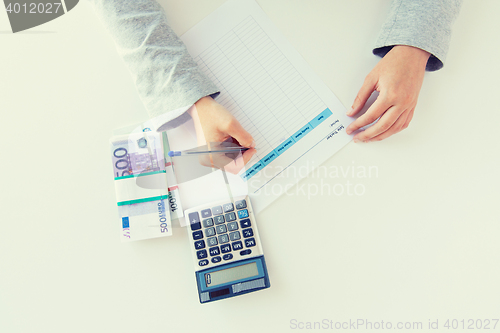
[140, 176]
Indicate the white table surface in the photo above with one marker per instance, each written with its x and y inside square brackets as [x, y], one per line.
[421, 243]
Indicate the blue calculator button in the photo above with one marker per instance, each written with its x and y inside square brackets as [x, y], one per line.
[219, 219]
[214, 251]
[237, 246]
[216, 260]
[195, 226]
[202, 254]
[245, 252]
[249, 242]
[206, 213]
[242, 213]
[230, 217]
[217, 210]
[194, 217]
[234, 236]
[225, 248]
[208, 222]
[203, 262]
[228, 207]
[247, 233]
[228, 256]
[241, 204]
[198, 235]
[245, 223]
[199, 244]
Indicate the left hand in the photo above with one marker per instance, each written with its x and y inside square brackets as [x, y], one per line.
[398, 78]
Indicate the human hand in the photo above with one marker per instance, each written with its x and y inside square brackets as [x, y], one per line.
[398, 78]
[214, 123]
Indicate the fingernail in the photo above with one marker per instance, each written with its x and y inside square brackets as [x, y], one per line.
[252, 145]
[356, 140]
[350, 111]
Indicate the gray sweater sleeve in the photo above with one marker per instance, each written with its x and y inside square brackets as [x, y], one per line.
[167, 78]
[425, 24]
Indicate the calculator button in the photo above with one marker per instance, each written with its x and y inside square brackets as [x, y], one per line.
[242, 213]
[210, 232]
[194, 217]
[232, 226]
[228, 256]
[228, 207]
[221, 228]
[212, 241]
[234, 235]
[241, 204]
[225, 248]
[223, 239]
[217, 210]
[247, 232]
[219, 219]
[203, 262]
[237, 246]
[206, 213]
[245, 252]
[195, 226]
[201, 254]
[214, 251]
[208, 223]
[249, 242]
[245, 223]
[216, 259]
[199, 244]
[198, 235]
[230, 217]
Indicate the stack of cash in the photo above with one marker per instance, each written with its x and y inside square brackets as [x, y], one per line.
[140, 178]
[175, 206]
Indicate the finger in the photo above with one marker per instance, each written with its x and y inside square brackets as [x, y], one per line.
[222, 161]
[395, 128]
[247, 155]
[373, 113]
[385, 122]
[216, 160]
[238, 132]
[408, 119]
[206, 160]
[364, 93]
[408, 116]
[237, 164]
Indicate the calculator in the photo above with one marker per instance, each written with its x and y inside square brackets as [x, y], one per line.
[227, 251]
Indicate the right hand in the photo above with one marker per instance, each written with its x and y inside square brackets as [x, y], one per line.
[214, 123]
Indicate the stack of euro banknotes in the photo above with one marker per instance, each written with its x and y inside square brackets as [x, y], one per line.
[142, 170]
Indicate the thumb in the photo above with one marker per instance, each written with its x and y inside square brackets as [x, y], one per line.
[238, 132]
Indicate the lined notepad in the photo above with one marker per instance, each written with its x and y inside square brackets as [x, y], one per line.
[260, 86]
[274, 94]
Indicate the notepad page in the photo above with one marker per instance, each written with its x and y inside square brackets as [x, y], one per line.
[259, 86]
[292, 115]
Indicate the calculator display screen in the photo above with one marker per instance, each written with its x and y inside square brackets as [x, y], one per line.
[231, 274]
